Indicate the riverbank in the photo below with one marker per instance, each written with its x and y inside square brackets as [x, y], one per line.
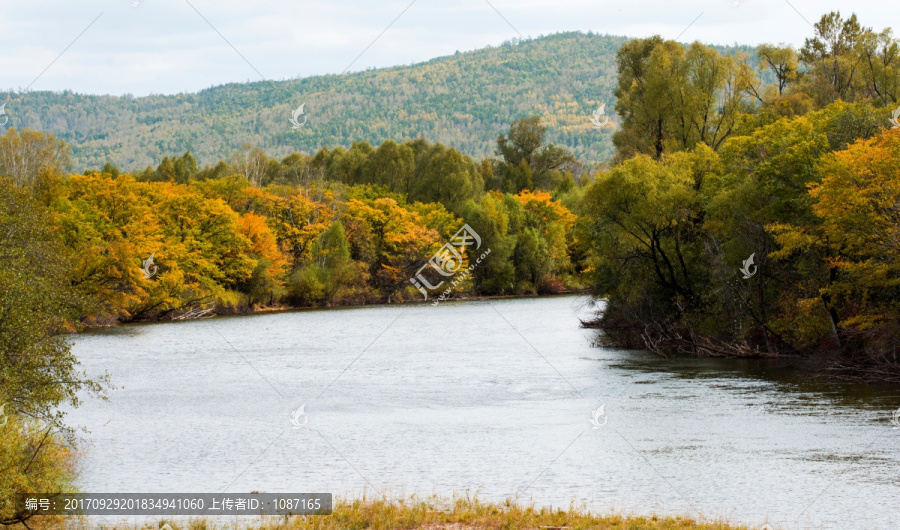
[463, 514]
[98, 323]
[829, 363]
[825, 364]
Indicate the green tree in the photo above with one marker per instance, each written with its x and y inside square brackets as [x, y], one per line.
[490, 218]
[185, 168]
[532, 259]
[111, 169]
[330, 272]
[37, 369]
[782, 61]
[262, 287]
[527, 162]
[524, 138]
[881, 66]
[834, 59]
[391, 165]
[446, 176]
[165, 172]
[672, 98]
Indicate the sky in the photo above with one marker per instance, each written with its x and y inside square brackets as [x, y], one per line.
[143, 47]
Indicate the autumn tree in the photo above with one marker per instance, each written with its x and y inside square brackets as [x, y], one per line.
[23, 156]
[548, 230]
[855, 242]
[391, 239]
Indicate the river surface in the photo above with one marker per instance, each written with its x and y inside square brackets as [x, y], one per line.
[494, 398]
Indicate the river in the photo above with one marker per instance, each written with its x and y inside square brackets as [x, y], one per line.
[488, 397]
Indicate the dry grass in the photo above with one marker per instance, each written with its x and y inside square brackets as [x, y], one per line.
[461, 514]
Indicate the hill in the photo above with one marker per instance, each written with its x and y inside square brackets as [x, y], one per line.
[464, 100]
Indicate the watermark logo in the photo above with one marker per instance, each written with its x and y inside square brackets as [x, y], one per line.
[148, 268]
[895, 118]
[748, 272]
[294, 119]
[165, 527]
[3, 418]
[298, 415]
[597, 414]
[600, 113]
[895, 420]
[766, 527]
[448, 261]
[136, 3]
[3, 113]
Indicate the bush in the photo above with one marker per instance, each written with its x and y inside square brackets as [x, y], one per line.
[33, 459]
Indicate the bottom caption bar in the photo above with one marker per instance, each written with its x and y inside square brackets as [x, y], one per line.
[175, 503]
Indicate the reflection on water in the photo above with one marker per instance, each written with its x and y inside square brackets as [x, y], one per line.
[494, 397]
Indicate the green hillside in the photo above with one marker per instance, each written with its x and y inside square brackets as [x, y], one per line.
[464, 100]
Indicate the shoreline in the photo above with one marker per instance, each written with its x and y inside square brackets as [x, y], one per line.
[829, 367]
[435, 513]
[284, 309]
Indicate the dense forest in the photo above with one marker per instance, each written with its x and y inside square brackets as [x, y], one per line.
[344, 226]
[742, 215]
[751, 220]
[461, 100]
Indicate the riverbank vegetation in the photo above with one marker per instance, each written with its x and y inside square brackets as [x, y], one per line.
[337, 227]
[38, 372]
[462, 514]
[746, 220]
[738, 217]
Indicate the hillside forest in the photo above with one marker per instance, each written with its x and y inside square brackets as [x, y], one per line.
[463, 100]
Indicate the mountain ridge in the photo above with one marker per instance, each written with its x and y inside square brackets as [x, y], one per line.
[463, 100]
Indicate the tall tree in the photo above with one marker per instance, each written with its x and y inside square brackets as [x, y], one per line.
[38, 372]
[528, 162]
[881, 66]
[251, 162]
[185, 168]
[672, 98]
[834, 59]
[782, 61]
[24, 155]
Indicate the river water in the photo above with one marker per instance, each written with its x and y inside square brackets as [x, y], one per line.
[490, 398]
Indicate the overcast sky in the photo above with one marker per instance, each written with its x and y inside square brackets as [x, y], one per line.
[170, 46]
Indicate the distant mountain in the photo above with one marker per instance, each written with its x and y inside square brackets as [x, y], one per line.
[464, 100]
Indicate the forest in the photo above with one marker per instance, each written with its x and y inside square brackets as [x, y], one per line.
[338, 227]
[743, 219]
[742, 215]
[462, 100]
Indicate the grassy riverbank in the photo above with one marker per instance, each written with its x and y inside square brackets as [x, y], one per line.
[464, 514]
